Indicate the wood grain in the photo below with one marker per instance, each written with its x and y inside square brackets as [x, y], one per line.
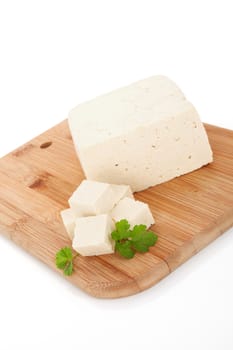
[190, 211]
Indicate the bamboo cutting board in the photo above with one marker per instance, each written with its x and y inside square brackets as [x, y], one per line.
[190, 211]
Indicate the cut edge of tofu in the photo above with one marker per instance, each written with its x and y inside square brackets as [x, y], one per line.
[68, 214]
[108, 249]
[123, 191]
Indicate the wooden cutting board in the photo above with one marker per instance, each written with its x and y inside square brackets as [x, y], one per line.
[190, 211]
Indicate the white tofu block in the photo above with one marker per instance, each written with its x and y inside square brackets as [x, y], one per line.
[121, 191]
[92, 198]
[141, 135]
[68, 219]
[93, 235]
[135, 212]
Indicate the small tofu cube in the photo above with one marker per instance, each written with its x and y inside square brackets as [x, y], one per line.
[92, 235]
[92, 198]
[135, 212]
[122, 191]
[68, 219]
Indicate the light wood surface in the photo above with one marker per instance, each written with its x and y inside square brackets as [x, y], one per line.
[190, 211]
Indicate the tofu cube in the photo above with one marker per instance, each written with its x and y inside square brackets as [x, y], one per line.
[135, 212]
[121, 191]
[140, 135]
[92, 198]
[68, 218]
[92, 235]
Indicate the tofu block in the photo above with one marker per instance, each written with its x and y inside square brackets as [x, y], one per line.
[68, 219]
[141, 135]
[93, 235]
[92, 198]
[135, 212]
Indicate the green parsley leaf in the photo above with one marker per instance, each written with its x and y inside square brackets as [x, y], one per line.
[68, 270]
[122, 226]
[130, 241]
[63, 256]
[142, 240]
[122, 230]
[125, 249]
[137, 231]
[64, 260]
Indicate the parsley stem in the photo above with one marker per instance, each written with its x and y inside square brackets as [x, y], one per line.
[75, 256]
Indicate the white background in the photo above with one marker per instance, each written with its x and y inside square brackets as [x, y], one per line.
[56, 54]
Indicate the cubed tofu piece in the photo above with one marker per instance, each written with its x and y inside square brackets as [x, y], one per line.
[140, 135]
[92, 235]
[68, 218]
[135, 212]
[121, 191]
[92, 198]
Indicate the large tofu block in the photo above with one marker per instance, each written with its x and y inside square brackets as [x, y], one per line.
[141, 135]
[92, 198]
[93, 235]
[135, 212]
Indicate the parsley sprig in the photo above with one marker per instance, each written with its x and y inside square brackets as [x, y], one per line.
[128, 241]
[64, 260]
